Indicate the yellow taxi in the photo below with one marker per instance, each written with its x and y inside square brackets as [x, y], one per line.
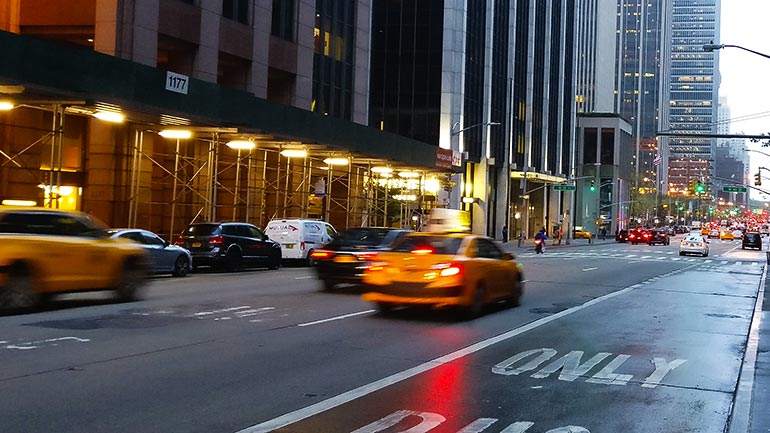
[444, 270]
[580, 234]
[726, 235]
[48, 251]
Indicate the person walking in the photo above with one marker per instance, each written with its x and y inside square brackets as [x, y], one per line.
[505, 234]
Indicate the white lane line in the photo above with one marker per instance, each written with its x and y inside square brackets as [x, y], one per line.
[631, 255]
[707, 261]
[345, 397]
[662, 258]
[589, 269]
[724, 262]
[303, 278]
[344, 316]
[223, 310]
[645, 257]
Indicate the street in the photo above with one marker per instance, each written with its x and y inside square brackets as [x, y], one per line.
[609, 337]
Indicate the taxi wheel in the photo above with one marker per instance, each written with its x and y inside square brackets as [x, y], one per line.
[515, 299]
[133, 277]
[385, 307]
[181, 266]
[476, 309]
[19, 292]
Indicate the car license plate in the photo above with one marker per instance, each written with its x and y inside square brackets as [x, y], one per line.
[690, 245]
[344, 259]
[289, 246]
[196, 244]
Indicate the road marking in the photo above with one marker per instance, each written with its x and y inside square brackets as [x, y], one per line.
[303, 278]
[724, 262]
[738, 263]
[661, 258]
[344, 316]
[49, 342]
[589, 269]
[645, 257]
[223, 310]
[708, 261]
[631, 255]
[367, 389]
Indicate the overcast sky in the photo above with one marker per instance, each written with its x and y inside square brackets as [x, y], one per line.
[745, 76]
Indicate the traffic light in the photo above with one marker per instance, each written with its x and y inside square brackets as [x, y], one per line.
[691, 187]
[592, 187]
[758, 179]
[700, 188]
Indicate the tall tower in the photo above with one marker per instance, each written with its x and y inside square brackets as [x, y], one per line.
[693, 83]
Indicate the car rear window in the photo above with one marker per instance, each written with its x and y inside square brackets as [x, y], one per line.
[361, 236]
[201, 229]
[439, 244]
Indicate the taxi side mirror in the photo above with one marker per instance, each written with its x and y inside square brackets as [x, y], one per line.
[508, 256]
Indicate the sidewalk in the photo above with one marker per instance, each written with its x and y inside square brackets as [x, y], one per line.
[515, 246]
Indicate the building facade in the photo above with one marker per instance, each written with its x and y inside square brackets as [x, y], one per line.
[691, 92]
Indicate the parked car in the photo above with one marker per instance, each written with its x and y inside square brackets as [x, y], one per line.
[622, 236]
[229, 245]
[751, 240]
[164, 257]
[46, 252]
[694, 243]
[346, 257]
[658, 237]
[444, 270]
[299, 238]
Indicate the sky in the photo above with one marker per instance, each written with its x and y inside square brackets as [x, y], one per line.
[744, 75]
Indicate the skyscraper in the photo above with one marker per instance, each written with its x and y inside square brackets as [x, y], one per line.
[691, 92]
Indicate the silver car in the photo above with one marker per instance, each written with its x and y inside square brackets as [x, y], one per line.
[694, 244]
[165, 257]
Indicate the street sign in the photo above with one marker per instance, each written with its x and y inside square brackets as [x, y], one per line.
[564, 187]
[734, 189]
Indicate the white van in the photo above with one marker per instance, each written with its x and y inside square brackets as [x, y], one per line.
[298, 238]
[448, 220]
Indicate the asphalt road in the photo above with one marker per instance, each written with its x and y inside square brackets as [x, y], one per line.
[608, 338]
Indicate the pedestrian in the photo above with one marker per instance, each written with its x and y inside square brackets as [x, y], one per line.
[540, 239]
[505, 234]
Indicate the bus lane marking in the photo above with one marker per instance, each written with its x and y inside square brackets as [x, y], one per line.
[364, 390]
[571, 368]
[42, 343]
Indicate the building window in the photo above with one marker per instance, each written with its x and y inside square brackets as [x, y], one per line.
[283, 19]
[237, 10]
[334, 35]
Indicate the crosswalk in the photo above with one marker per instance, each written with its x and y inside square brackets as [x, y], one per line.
[643, 255]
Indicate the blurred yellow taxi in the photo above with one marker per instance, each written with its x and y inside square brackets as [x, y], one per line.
[50, 251]
[726, 235]
[444, 270]
[580, 234]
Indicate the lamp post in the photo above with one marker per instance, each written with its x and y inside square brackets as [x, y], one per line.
[713, 47]
[456, 130]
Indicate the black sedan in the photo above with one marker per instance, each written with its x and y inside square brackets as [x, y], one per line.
[165, 257]
[658, 237]
[346, 257]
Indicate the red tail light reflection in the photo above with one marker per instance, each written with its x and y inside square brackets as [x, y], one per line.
[179, 241]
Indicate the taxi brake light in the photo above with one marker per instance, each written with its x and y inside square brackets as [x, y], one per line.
[216, 240]
[451, 270]
[367, 256]
[422, 250]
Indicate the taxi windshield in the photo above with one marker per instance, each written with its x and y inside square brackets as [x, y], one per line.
[438, 244]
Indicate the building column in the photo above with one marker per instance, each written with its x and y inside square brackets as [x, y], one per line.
[206, 62]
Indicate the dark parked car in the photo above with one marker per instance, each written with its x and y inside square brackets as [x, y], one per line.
[230, 245]
[658, 237]
[622, 236]
[346, 257]
[751, 240]
[164, 257]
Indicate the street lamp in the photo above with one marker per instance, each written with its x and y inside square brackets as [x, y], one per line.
[712, 47]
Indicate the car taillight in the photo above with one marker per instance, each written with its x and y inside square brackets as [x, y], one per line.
[422, 250]
[375, 267]
[179, 241]
[447, 269]
[366, 256]
[302, 245]
[320, 254]
[216, 240]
